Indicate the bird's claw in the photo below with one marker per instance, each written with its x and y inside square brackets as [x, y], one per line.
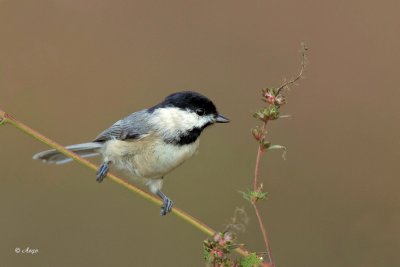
[166, 207]
[167, 203]
[102, 172]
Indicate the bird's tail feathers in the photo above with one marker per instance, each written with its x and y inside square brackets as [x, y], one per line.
[84, 150]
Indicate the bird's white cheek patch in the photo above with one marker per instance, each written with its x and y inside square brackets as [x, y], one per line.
[174, 119]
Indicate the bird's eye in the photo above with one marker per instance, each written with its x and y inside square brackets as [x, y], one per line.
[200, 111]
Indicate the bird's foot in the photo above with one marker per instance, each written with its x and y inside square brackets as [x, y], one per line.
[167, 203]
[166, 207]
[102, 171]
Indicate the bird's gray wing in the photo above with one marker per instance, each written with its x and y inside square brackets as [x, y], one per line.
[133, 126]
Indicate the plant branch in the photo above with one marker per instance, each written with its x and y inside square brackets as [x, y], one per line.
[286, 84]
[257, 187]
[8, 119]
[264, 233]
[259, 154]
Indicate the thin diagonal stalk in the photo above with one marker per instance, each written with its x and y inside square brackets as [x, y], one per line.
[8, 119]
[264, 233]
[256, 186]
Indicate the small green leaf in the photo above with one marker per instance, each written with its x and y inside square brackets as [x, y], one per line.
[2, 117]
[254, 196]
[285, 116]
[273, 112]
[265, 144]
[251, 260]
[257, 133]
[270, 112]
[259, 195]
[207, 246]
[266, 112]
[274, 147]
[246, 195]
[259, 115]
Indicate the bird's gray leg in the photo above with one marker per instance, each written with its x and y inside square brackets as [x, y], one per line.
[102, 171]
[168, 203]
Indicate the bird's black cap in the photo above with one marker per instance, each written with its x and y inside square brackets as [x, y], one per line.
[190, 100]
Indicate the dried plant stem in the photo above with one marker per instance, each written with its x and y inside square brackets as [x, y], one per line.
[8, 119]
[286, 84]
[259, 154]
[264, 233]
[258, 186]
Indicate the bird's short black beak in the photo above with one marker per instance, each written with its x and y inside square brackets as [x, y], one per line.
[221, 119]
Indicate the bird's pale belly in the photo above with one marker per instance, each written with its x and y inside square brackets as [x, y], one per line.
[147, 157]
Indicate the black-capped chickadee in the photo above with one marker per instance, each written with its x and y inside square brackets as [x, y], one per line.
[149, 143]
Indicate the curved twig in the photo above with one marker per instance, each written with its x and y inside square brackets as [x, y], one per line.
[286, 84]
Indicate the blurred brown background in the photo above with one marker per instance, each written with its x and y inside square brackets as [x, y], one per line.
[71, 68]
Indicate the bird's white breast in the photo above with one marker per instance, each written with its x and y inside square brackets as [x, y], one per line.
[149, 157]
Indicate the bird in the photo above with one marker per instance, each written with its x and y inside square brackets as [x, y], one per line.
[150, 143]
